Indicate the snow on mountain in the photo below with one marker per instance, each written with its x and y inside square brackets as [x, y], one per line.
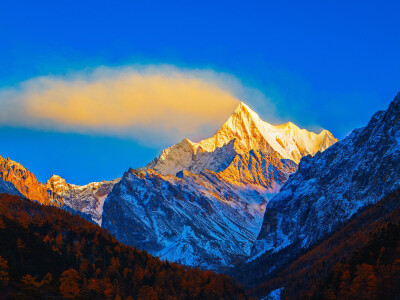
[332, 186]
[248, 132]
[190, 156]
[201, 204]
[208, 219]
[87, 199]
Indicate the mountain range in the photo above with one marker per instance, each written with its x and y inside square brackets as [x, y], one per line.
[255, 200]
[199, 204]
[87, 200]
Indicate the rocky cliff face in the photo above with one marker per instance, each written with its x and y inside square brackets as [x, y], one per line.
[87, 199]
[242, 132]
[208, 219]
[331, 186]
[189, 156]
[26, 182]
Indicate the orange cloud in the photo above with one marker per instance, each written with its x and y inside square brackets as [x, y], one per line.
[153, 105]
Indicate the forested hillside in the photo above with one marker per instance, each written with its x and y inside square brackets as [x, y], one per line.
[48, 253]
[370, 234]
[372, 272]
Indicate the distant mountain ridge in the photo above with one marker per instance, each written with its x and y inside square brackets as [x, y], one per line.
[87, 199]
[25, 181]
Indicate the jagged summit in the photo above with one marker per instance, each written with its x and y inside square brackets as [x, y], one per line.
[252, 133]
[242, 107]
[57, 184]
[87, 199]
[249, 132]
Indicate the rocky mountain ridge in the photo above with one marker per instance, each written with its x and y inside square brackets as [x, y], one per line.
[332, 186]
[25, 182]
[87, 199]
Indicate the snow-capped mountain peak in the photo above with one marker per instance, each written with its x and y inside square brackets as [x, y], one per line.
[252, 133]
[249, 132]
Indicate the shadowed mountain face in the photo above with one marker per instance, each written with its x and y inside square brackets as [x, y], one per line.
[203, 203]
[7, 187]
[332, 186]
[322, 265]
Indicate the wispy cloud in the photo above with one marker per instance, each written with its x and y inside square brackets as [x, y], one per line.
[152, 104]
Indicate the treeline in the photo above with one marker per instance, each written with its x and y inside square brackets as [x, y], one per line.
[304, 276]
[47, 253]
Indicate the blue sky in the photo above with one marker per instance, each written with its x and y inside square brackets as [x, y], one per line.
[328, 64]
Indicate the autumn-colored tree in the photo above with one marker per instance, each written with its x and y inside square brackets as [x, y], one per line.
[84, 268]
[147, 293]
[95, 286]
[371, 286]
[69, 283]
[47, 239]
[24, 219]
[2, 225]
[30, 281]
[4, 278]
[113, 268]
[108, 289]
[138, 274]
[47, 279]
[20, 244]
[329, 295]
[88, 262]
[344, 286]
[59, 241]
